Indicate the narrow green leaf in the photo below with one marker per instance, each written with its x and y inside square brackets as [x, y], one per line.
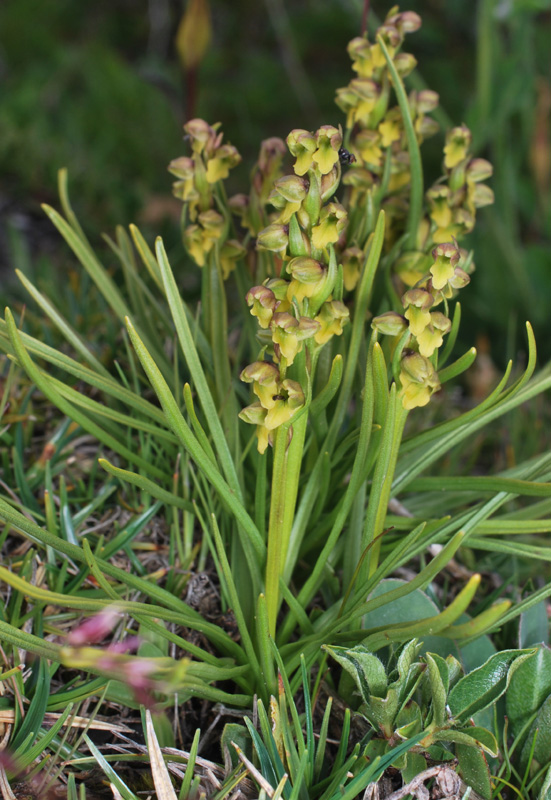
[252, 541]
[47, 388]
[146, 485]
[196, 370]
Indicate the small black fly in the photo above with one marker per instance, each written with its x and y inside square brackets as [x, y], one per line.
[345, 157]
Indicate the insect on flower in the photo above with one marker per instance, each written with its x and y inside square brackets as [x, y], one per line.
[345, 157]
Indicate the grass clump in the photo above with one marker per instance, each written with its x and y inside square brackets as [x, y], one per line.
[247, 504]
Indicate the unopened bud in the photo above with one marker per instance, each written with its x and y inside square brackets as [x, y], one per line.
[390, 323]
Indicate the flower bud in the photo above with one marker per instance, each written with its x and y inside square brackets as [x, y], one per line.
[275, 237]
[256, 415]
[389, 323]
[308, 276]
[479, 170]
[405, 63]
[292, 188]
[329, 184]
[202, 135]
[359, 50]
[482, 195]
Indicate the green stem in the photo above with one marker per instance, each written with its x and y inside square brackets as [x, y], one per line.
[382, 483]
[285, 479]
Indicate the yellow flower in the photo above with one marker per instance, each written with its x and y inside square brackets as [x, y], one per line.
[418, 379]
[332, 318]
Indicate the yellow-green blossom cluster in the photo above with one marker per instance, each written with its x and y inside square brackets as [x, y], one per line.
[426, 326]
[375, 129]
[198, 176]
[451, 205]
[298, 309]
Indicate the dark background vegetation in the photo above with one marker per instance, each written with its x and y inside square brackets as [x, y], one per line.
[98, 88]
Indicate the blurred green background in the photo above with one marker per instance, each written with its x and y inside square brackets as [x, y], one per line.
[99, 88]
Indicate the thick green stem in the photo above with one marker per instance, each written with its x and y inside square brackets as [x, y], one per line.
[285, 479]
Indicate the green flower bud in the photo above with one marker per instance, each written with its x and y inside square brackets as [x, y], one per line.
[202, 136]
[389, 323]
[332, 317]
[404, 22]
[359, 178]
[302, 144]
[230, 253]
[308, 277]
[213, 224]
[426, 101]
[292, 188]
[182, 168]
[405, 63]
[262, 302]
[479, 170]
[482, 195]
[329, 184]
[275, 237]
